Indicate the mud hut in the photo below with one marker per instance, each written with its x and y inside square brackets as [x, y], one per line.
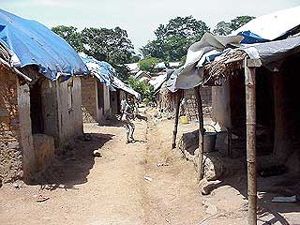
[102, 91]
[256, 71]
[40, 96]
[167, 98]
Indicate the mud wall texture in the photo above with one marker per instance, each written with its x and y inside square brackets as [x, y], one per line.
[190, 106]
[221, 111]
[10, 153]
[50, 109]
[89, 99]
[70, 123]
[166, 101]
[26, 141]
[106, 99]
[17, 159]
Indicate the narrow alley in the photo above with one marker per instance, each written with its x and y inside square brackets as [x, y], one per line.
[129, 184]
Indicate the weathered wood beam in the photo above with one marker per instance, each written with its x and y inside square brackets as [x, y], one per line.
[252, 63]
[201, 133]
[250, 88]
[179, 96]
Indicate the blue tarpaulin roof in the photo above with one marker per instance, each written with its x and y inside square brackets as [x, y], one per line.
[251, 38]
[32, 43]
[107, 74]
[102, 70]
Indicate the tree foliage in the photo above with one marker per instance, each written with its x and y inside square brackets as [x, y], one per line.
[240, 21]
[148, 64]
[71, 35]
[110, 45]
[225, 28]
[174, 38]
[146, 90]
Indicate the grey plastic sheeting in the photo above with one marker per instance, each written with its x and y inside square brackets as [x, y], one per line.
[270, 53]
[191, 74]
[273, 53]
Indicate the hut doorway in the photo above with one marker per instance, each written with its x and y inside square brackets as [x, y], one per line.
[115, 101]
[36, 108]
[287, 111]
[100, 95]
[264, 113]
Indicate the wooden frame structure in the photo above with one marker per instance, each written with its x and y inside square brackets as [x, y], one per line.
[250, 66]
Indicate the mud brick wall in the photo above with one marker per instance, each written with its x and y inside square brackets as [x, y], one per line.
[89, 99]
[69, 105]
[10, 150]
[190, 106]
[166, 100]
[206, 94]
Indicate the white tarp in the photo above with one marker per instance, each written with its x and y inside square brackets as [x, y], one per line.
[268, 27]
[272, 53]
[274, 25]
[156, 82]
[191, 74]
[117, 83]
[133, 67]
[105, 73]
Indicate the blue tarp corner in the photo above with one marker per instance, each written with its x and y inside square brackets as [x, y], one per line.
[32, 43]
[251, 38]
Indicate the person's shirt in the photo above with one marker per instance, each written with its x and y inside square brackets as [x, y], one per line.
[127, 110]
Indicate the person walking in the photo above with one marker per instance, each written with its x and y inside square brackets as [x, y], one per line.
[128, 115]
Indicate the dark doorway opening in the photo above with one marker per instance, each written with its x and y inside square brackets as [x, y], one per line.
[36, 108]
[100, 91]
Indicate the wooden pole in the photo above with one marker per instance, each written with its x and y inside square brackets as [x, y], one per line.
[201, 133]
[251, 142]
[178, 101]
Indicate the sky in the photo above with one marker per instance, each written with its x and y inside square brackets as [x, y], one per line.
[139, 17]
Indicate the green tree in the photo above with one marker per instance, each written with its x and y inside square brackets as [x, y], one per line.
[240, 21]
[145, 89]
[174, 38]
[186, 27]
[148, 64]
[111, 45]
[225, 28]
[71, 35]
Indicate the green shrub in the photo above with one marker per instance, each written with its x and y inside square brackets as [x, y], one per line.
[145, 89]
[148, 64]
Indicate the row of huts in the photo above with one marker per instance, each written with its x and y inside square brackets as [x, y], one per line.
[47, 92]
[253, 74]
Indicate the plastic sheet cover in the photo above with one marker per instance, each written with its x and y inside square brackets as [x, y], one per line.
[31, 43]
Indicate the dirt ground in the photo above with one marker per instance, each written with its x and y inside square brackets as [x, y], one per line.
[144, 183]
[134, 184]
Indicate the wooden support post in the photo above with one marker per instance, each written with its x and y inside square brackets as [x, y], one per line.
[251, 142]
[201, 133]
[178, 101]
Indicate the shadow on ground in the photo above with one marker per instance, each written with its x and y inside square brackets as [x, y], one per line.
[235, 175]
[72, 166]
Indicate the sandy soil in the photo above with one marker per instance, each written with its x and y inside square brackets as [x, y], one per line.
[144, 183]
[111, 189]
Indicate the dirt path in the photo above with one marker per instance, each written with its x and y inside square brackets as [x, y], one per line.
[111, 189]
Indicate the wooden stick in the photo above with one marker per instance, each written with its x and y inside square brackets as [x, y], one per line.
[201, 133]
[178, 101]
[251, 142]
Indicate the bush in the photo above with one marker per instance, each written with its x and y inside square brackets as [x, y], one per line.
[148, 64]
[145, 89]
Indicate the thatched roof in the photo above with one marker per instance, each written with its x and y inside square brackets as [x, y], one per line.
[218, 71]
[272, 54]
